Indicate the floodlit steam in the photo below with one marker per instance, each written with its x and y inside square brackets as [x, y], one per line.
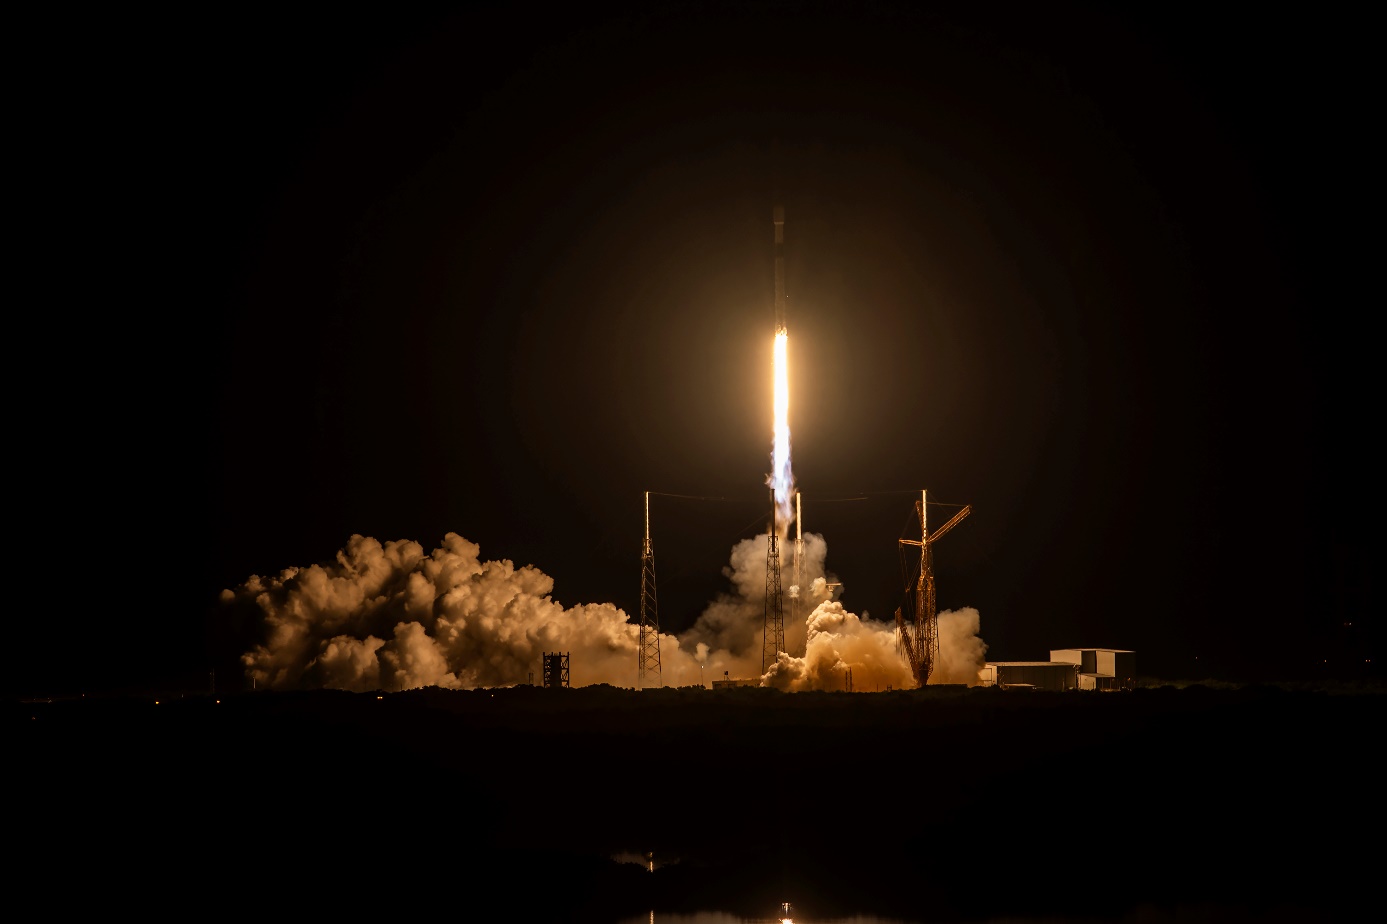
[390, 617]
[387, 616]
[782, 479]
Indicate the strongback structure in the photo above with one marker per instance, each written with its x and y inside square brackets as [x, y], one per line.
[919, 635]
[648, 656]
[773, 632]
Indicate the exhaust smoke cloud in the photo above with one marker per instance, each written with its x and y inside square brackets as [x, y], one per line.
[388, 616]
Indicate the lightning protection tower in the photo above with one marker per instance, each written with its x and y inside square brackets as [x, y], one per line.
[797, 600]
[773, 631]
[648, 657]
[919, 635]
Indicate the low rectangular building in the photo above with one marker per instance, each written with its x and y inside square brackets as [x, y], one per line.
[1036, 675]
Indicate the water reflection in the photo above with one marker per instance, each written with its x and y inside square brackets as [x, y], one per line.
[721, 917]
[1145, 914]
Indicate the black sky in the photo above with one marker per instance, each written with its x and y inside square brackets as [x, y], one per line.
[1097, 274]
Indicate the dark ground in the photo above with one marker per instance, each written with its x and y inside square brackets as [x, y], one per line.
[1249, 803]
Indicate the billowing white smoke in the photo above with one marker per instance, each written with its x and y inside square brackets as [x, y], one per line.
[728, 637]
[961, 652]
[844, 648]
[387, 616]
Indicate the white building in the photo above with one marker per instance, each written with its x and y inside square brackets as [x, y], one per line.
[1101, 668]
[1067, 669]
[1032, 675]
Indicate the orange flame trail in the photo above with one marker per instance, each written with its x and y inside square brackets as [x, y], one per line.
[782, 479]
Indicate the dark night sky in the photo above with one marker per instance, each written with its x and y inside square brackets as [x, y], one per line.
[500, 273]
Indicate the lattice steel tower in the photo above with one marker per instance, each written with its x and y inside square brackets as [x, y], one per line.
[773, 632]
[648, 657]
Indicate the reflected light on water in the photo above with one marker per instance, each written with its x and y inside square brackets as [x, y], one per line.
[721, 917]
[1144, 915]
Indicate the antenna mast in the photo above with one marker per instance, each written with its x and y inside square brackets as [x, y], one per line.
[797, 598]
[648, 657]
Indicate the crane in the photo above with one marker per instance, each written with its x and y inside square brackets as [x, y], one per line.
[920, 635]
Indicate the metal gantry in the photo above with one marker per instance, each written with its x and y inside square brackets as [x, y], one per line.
[773, 630]
[556, 669]
[648, 655]
[919, 635]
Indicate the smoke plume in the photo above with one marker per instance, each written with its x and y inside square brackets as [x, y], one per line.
[387, 616]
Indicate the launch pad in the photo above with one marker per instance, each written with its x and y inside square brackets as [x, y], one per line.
[917, 629]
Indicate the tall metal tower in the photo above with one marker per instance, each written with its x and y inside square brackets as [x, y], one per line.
[648, 657]
[919, 635]
[773, 631]
[797, 600]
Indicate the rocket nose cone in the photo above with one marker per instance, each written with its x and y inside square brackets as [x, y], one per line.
[778, 215]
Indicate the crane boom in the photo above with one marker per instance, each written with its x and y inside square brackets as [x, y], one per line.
[957, 519]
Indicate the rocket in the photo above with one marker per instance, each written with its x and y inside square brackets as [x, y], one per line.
[778, 216]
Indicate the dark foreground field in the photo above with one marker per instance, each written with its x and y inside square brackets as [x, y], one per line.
[1257, 803]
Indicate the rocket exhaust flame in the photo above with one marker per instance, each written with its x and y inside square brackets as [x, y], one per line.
[390, 616]
[782, 479]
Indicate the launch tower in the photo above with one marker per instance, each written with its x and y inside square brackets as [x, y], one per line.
[919, 635]
[773, 632]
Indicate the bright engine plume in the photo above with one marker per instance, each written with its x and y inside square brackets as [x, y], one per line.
[782, 479]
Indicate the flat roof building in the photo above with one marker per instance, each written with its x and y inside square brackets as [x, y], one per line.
[1036, 675]
[1067, 669]
[1101, 668]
